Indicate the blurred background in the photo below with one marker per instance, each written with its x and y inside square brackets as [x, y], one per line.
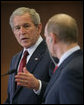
[46, 9]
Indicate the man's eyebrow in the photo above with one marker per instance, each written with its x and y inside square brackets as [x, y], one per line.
[22, 24]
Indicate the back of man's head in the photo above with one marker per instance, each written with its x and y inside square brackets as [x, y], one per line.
[64, 26]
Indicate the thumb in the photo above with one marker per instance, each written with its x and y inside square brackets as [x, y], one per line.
[25, 70]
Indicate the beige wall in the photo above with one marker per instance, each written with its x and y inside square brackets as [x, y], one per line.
[46, 9]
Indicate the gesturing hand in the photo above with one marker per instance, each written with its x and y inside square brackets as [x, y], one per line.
[27, 79]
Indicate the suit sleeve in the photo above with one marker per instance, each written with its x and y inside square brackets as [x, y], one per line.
[9, 84]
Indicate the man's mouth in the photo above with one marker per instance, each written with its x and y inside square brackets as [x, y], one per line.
[23, 39]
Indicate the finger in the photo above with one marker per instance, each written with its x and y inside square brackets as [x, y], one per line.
[21, 76]
[21, 82]
[25, 70]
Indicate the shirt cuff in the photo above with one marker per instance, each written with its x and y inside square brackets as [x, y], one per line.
[39, 90]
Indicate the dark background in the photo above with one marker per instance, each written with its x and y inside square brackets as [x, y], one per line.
[46, 9]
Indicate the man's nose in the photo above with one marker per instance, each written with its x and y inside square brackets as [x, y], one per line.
[22, 30]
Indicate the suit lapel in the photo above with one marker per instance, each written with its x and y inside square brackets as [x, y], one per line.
[36, 57]
[34, 60]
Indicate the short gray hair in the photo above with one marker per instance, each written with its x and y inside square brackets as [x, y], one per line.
[64, 26]
[21, 11]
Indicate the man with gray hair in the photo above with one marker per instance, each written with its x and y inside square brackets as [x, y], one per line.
[66, 84]
[31, 63]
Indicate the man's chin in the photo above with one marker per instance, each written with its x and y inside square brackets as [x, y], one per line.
[25, 46]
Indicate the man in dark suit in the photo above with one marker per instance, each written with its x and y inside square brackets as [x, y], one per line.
[26, 26]
[66, 84]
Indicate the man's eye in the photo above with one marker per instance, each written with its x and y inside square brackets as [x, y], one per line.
[26, 26]
[17, 28]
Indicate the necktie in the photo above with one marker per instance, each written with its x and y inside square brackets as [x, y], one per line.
[55, 68]
[23, 61]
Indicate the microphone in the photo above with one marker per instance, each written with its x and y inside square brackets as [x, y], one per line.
[9, 72]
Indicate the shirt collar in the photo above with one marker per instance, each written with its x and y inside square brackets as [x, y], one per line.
[68, 53]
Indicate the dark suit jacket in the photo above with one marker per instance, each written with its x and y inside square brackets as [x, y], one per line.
[66, 84]
[39, 67]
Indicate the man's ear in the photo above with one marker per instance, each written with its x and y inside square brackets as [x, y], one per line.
[50, 40]
[52, 37]
[39, 28]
